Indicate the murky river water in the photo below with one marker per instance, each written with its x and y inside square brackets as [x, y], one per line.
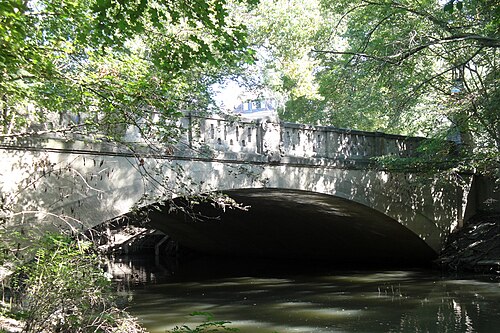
[266, 297]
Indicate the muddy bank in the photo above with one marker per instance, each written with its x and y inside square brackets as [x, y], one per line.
[475, 247]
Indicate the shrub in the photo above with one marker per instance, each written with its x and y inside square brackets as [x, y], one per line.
[64, 289]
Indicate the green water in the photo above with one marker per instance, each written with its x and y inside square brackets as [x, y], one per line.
[292, 297]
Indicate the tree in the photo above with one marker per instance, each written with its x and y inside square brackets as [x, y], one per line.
[405, 67]
[280, 32]
[100, 67]
[112, 61]
[419, 68]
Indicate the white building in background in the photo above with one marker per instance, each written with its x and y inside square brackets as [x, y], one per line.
[257, 108]
[232, 97]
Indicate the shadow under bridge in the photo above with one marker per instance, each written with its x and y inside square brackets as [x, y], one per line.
[291, 224]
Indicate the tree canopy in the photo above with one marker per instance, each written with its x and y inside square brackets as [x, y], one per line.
[409, 54]
[407, 67]
[108, 63]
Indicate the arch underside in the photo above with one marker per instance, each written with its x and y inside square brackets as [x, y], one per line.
[294, 224]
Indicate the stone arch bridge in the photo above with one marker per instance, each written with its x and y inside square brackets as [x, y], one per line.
[311, 190]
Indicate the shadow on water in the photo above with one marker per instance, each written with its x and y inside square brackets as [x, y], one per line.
[142, 269]
[268, 296]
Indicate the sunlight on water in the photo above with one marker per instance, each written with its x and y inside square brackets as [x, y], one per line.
[326, 313]
[336, 301]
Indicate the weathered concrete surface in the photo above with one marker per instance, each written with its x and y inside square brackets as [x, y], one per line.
[54, 183]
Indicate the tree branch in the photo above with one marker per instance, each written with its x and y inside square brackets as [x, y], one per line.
[423, 83]
[426, 15]
[363, 55]
[398, 58]
[69, 128]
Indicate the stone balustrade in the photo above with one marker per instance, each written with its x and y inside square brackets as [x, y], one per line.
[282, 139]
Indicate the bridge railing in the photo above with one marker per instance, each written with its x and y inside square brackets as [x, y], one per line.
[330, 142]
[279, 139]
[226, 135]
[271, 140]
[274, 139]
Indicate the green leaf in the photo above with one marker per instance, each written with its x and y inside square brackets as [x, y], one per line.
[448, 7]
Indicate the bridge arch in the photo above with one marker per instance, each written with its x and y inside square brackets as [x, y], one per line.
[289, 223]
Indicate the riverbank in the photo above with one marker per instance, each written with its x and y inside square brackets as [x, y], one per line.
[475, 247]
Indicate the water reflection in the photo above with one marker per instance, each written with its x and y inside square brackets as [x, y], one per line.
[264, 299]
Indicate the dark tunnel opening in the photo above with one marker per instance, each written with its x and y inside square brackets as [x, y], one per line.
[294, 225]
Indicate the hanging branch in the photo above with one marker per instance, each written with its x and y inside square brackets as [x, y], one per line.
[398, 58]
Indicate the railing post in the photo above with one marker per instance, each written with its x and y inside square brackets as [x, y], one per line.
[271, 140]
[327, 143]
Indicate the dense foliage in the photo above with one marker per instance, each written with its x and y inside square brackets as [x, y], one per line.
[406, 67]
[63, 289]
[402, 56]
[104, 65]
